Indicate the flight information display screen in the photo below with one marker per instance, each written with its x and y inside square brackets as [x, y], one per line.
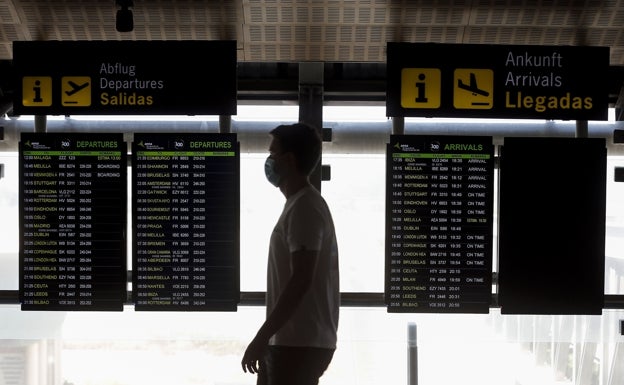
[553, 194]
[439, 204]
[72, 204]
[186, 194]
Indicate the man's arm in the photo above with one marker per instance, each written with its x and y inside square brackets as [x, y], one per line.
[304, 267]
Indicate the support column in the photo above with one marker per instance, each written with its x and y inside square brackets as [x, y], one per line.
[589, 347]
[582, 129]
[398, 125]
[563, 333]
[311, 104]
[616, 369]
[41, 123]
[225, 124]
[412, 354]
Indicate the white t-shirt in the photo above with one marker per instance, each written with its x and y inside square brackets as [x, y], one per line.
[306, 223]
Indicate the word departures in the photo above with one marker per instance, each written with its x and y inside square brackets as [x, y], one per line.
[124, 77]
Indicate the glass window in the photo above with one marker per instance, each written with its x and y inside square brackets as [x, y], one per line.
[9, 231]
[356, 195]
[193, 348]
[261, 205]
[205, 348]
[614, 246]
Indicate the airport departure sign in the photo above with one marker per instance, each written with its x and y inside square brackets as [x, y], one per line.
[186, 198]
[125, 77]
[497, 81]
[72, 222]
[439, 198]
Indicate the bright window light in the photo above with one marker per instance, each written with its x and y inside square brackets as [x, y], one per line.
[276, 113]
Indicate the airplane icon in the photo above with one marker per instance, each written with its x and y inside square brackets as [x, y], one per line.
[472, 87]
[76, 87]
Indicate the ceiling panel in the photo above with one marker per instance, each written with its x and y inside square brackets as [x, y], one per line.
[325, 30]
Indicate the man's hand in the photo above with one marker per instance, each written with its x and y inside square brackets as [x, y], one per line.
[254, 353]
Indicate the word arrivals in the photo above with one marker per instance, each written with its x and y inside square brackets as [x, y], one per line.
[530, 80]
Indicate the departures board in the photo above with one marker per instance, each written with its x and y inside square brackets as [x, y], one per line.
[186, 194]
[439, 206]
[72, 202]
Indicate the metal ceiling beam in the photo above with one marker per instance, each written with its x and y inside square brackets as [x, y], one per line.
[311, 104]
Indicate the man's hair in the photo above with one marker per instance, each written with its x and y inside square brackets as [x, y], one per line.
[303, 141]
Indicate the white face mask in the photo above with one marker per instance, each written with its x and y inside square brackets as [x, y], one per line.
[271, 174]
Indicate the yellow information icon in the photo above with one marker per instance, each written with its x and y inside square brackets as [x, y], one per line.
[473, 89]
[420, 87]
[37, 91]
[76, 91]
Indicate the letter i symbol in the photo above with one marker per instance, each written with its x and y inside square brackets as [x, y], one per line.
[37, 91]
[420, 86]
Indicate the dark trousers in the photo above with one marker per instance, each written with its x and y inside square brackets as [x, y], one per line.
[293, 365]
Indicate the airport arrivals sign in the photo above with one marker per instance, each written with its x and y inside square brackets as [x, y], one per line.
[497, 81]
[125, 77]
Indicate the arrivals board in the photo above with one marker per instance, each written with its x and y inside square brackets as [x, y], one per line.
[72, 204]
[439, 198]
[186, 195]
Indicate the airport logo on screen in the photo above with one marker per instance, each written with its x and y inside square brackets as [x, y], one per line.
[529, 82]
